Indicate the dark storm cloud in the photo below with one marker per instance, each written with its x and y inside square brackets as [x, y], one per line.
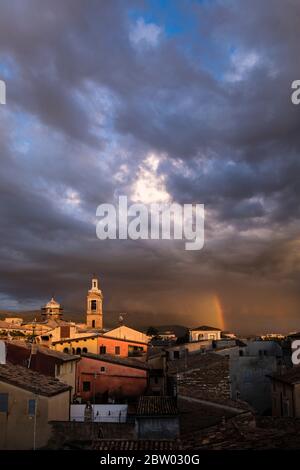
[85, 100]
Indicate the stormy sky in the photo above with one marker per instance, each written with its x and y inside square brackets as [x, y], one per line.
[183, 101]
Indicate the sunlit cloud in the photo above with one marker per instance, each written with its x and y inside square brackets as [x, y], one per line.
[142, 33]
[241, 64]
[150, 186]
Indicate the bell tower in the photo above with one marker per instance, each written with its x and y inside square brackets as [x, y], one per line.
[94, 306]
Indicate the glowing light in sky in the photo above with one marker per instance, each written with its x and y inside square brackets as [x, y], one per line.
[150, 187]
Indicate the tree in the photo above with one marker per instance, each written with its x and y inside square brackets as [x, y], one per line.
[152, 331]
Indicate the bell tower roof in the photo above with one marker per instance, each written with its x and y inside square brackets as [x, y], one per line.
[95, 285]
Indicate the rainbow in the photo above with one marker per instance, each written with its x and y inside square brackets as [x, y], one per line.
[218, 311]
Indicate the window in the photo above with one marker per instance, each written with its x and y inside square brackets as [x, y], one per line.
[241, 352]
[66, 350]
[93, 304]
[84, 350]
[134, 350]
[93, 323]
[78, 350]
[57, 369]
[102, 369]
[102, 349]
[117, 350]
[176, 354]
[86, 386]
[4, 402]
[31, 407]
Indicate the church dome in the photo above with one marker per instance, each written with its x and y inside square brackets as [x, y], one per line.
[52, 304]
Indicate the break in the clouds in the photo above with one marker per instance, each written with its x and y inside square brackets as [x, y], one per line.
[160, 101]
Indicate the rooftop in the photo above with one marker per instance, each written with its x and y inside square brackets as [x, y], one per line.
[11, 326]
[95, 336]
[142, 445]
[124, 361]
[157, 406]
[241, 433]
[63, 357]
[32, 381]
[205, 377]
[291, 376]
[205, 328]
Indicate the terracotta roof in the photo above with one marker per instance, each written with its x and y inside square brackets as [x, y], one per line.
[291, 376]
[157, 406]
[97, 335]
[205, 328]
[143, 445]
[32, 381]
[205, 377]
[241, 433]
[64, 357]
[124, 361]
[123, 339]
[11, 326]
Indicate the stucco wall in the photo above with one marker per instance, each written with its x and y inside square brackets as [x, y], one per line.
[92, 345]
[124, 332]
[196, 335]
[116, 379]
[248, 376]
[17, 427]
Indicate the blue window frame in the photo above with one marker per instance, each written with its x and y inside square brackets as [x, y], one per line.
[31, 407]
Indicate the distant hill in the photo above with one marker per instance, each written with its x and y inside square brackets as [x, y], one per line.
[139, 320]
[179, 330]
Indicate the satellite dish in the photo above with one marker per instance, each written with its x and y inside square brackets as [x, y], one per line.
[2, 352]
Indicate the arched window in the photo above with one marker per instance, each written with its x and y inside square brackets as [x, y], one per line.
[93, 304]
[84, 350]
[66, 350]
[93, 323]
[73, 350]
[78, 350]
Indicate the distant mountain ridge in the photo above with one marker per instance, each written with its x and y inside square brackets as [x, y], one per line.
[139, 320]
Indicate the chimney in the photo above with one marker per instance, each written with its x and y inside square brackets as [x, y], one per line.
[33, 351]
[2, 352]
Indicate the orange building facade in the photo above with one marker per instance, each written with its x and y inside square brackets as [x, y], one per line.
[100, 378]
[99, 344]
